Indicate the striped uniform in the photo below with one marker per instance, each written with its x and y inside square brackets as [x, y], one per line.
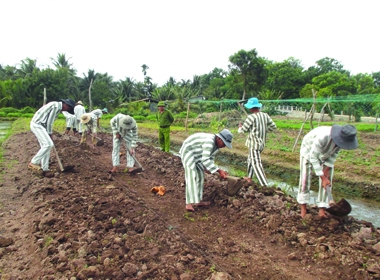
[257, 124]
[79, 110]
[317, 151]
[197, 154]
[42, 127]
[70, 119]
[130, 137]
[91, 127]
[98, 113]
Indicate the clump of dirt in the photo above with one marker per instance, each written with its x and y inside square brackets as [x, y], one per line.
[83, 224]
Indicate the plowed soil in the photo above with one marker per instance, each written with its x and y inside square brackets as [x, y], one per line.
[84, 224]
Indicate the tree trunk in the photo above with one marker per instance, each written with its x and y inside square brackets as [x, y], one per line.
[45, 98]
[89, 95]
[187, 115]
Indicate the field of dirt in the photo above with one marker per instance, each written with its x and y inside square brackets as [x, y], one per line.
[83, 224]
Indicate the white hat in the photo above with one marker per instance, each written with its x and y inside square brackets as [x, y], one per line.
[127, 122]
[80, 102]
[85, 118]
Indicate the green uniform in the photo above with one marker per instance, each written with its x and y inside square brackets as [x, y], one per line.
[164, 121]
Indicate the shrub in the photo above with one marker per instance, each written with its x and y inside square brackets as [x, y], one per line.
[27, 115]
[14, 115]
[2, 114]
[27, 110]
[151, 117]
[139, 118]
[8, 110]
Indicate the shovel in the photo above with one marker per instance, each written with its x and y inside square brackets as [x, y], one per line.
[99, 141]
[61, 168]
[234, 184]
[139, 166]
[340, 209]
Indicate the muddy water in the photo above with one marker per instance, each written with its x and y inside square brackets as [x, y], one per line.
[4, 127]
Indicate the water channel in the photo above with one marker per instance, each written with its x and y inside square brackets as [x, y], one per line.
[361, 209]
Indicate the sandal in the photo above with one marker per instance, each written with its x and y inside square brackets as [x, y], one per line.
[34, 167]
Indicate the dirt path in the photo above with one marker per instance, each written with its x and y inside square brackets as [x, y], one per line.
[81, 225]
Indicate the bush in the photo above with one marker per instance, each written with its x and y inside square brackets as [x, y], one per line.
[14, 115]
[182, 115]
[8, 110]
[2, 114]
[27, 110]
[151, 118]
[139, 118]
[27, 115]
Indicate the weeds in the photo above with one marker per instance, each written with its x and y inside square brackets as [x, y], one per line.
[187, 216]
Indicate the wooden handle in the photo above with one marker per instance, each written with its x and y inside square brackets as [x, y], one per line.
[59, 160]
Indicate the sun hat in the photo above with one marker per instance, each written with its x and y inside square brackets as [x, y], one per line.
[85, 118]
[127, 122]
[253, 103]
[69, 102]
[344, 136]
[226, 136]
[105, 110]
[161, 104]
[80, 102]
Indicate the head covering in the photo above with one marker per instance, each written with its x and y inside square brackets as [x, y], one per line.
[127, 122]
[226, 136]
[80, 102]
[85, 118]
[69, 102]
[344, 136]
[253, 103]
[105, 110]
[161, 104]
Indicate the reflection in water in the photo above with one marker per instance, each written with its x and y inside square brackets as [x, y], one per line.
[4, 127]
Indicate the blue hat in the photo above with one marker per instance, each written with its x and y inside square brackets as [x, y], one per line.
[105, 110]
[253, 103]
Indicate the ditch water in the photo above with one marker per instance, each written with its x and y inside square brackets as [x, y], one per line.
[4, 127]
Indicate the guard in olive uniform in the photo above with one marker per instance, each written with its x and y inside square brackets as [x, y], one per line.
[165, 119]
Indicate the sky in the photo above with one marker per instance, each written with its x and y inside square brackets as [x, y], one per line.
[181, 38]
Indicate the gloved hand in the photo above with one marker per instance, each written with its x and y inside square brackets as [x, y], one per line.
[223, 174]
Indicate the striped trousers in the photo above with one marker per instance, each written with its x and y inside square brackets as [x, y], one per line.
[43, 155]
[116, 152]
[255, 167]
[194, 184]
[303, 196]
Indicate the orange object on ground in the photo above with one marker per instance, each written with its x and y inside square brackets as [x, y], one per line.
[160, 190]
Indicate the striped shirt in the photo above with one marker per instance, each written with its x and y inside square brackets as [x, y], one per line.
[47, 114]
[79, 110]
[199, 150]
[98, 113]
[318, 148]
[129, 135]
[257, 124]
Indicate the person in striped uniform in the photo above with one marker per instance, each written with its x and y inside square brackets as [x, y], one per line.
[42, 127]
[98, 114]
[319, 150]
[197, 154]
[89, 122]
[257, 125]
[123, 127]
[70, 122]
[79, 110]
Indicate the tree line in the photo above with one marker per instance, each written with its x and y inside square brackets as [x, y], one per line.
[248, 75]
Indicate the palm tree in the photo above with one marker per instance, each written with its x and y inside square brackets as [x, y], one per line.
[62, 62]
[144, 68]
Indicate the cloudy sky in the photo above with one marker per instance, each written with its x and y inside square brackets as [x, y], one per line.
[181, 38]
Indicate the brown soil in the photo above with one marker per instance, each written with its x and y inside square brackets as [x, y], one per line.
[84, 225]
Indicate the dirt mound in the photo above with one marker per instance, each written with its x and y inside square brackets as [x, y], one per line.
[84, 224]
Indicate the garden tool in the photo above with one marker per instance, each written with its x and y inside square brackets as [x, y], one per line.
[97, 141]
[340, 209]
[61, 168]
[139, 167]
[234, 184]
